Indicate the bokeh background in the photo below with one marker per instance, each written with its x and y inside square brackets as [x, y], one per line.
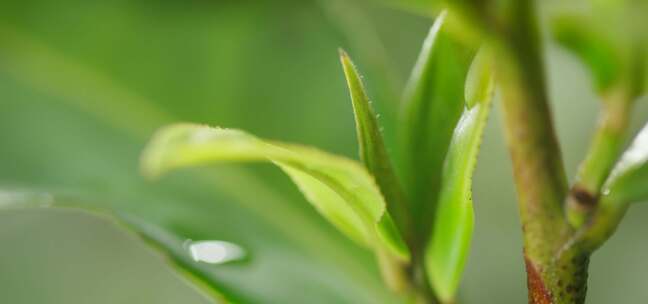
[83, 84]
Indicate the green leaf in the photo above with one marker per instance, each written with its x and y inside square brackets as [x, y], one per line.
[372, 147]
[160, 241]
[592, 47]
[479, 81]
[628, 180]
[432, 105]
[449, 244]
[339, 188]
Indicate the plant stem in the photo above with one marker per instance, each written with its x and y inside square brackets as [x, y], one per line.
[602, 223]
[556, 273]
[422, 293]
[409, 280]
[537, 163]
[393, 272]
[604, 151]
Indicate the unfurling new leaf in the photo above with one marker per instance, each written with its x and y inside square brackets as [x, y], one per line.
[449, 244]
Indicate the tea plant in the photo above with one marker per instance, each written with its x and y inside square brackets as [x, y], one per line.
[415, 212]
[422, 251]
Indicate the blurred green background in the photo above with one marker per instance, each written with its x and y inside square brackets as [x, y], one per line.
[83, 85]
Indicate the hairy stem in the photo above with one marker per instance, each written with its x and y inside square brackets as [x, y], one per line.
[556, 272]
[537, 163]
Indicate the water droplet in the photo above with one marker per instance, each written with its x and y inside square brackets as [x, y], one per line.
[214, 252]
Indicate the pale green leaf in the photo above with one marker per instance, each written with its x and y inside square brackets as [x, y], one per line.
[629, 179]
[339, 188]
[449, 244]
[372, 147]
[479, 81]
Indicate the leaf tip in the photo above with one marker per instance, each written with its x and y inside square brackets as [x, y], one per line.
[480, 80]
[343, 54]
[150, 163]
[347, 64]
[153, 160]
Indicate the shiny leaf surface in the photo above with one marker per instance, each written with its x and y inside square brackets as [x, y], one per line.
[449, 244]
